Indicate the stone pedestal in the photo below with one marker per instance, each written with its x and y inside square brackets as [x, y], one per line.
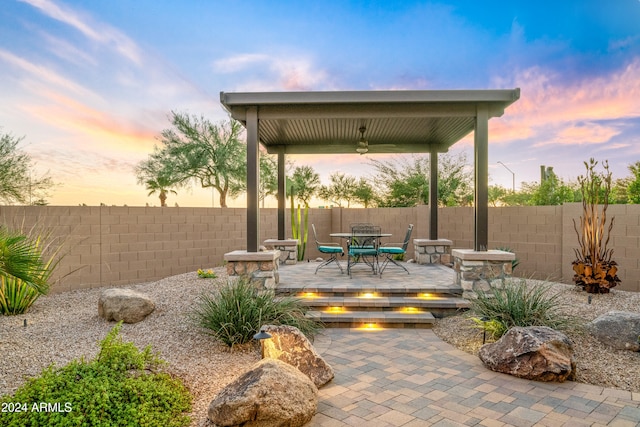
[479, 270]
[288, 249]
[260, 267]
[429, 251]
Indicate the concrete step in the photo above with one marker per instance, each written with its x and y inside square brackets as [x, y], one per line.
[374, 319]
[356, 303]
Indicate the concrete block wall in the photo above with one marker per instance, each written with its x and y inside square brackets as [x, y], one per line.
[122, 245]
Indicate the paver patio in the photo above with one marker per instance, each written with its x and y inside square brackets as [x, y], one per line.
[409, 377]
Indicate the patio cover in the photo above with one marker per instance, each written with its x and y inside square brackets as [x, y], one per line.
[415, 121]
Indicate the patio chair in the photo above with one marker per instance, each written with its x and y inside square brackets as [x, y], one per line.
[331, 249]
[388, 251]
[363, 246]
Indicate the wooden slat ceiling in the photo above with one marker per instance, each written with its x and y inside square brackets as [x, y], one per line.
[329, 122]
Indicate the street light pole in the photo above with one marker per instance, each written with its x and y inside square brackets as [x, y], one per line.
[513, 176]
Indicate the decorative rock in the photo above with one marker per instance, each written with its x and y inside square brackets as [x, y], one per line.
[535, 353]
[290, 345]
[124, 304]
[271, 394]
[618, 329]
[319, 259]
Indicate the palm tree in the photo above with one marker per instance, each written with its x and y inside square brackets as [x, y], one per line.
[160, 184]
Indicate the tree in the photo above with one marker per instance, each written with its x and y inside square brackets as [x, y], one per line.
[633, 189]
[364, 193]
[18, 183]
[406, 183]
[496, 195]
[342, 188]
[302, 186]
[196, 149]
[268, 177]
[157, 177]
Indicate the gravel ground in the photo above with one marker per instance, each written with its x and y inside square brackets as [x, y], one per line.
[596, 363]
[62, 327]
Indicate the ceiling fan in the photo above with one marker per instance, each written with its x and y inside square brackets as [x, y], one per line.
[363, 145]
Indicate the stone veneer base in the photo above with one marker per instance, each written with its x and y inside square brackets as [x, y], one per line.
[260, 267]
[479, 270]
[429, 251]
[288, 249]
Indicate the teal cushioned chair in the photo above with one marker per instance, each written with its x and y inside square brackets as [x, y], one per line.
[363, 246]
[388, 252]
[331, 249]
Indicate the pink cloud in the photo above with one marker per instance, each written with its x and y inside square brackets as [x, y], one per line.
[566, 113]
[94, 125]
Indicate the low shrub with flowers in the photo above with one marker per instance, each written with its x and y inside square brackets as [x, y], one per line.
[206, 274]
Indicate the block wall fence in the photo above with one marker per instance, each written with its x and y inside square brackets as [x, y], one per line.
[110, 246]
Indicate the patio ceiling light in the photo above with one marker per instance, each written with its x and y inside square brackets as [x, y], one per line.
[363, 144]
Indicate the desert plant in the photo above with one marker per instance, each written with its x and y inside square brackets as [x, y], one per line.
[121, 386]
[27, 260]
[514, 303]
[206, 274]
[238, 310]
[594, 268]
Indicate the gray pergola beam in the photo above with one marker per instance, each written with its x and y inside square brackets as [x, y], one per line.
[481, 174]
[282, 191]
[433, 195]
[253, 181]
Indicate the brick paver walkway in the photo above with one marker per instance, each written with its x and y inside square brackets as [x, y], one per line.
[404, 377]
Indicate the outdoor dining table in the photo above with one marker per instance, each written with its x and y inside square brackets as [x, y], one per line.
[376, 235]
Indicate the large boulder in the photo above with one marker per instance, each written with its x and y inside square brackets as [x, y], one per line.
[290, 345]
[535, 352]
[618, 329]
[271, 394]
[124, 304]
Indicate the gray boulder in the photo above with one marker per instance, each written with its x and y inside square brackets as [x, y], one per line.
[290, 345]
[535, 352]
[618, 329]
[124, 304]
[271, 394]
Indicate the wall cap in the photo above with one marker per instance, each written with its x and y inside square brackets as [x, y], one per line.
[490, 255]
[430, 242]
[241, 255]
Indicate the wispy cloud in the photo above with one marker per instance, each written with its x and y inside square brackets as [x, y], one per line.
[282, 72]
[105, 128]
[44, 74]
[96, 31]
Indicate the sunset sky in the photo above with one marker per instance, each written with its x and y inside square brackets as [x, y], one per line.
[90, 84]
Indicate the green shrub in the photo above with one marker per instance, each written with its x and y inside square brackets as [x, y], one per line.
[16, 296]
[121, 387]
[27, 260]
[236, 312]
[516, 304]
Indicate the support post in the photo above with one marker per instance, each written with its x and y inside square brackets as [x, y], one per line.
[253, 181]
[282, 193]
[433, 195]
[481, 168]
